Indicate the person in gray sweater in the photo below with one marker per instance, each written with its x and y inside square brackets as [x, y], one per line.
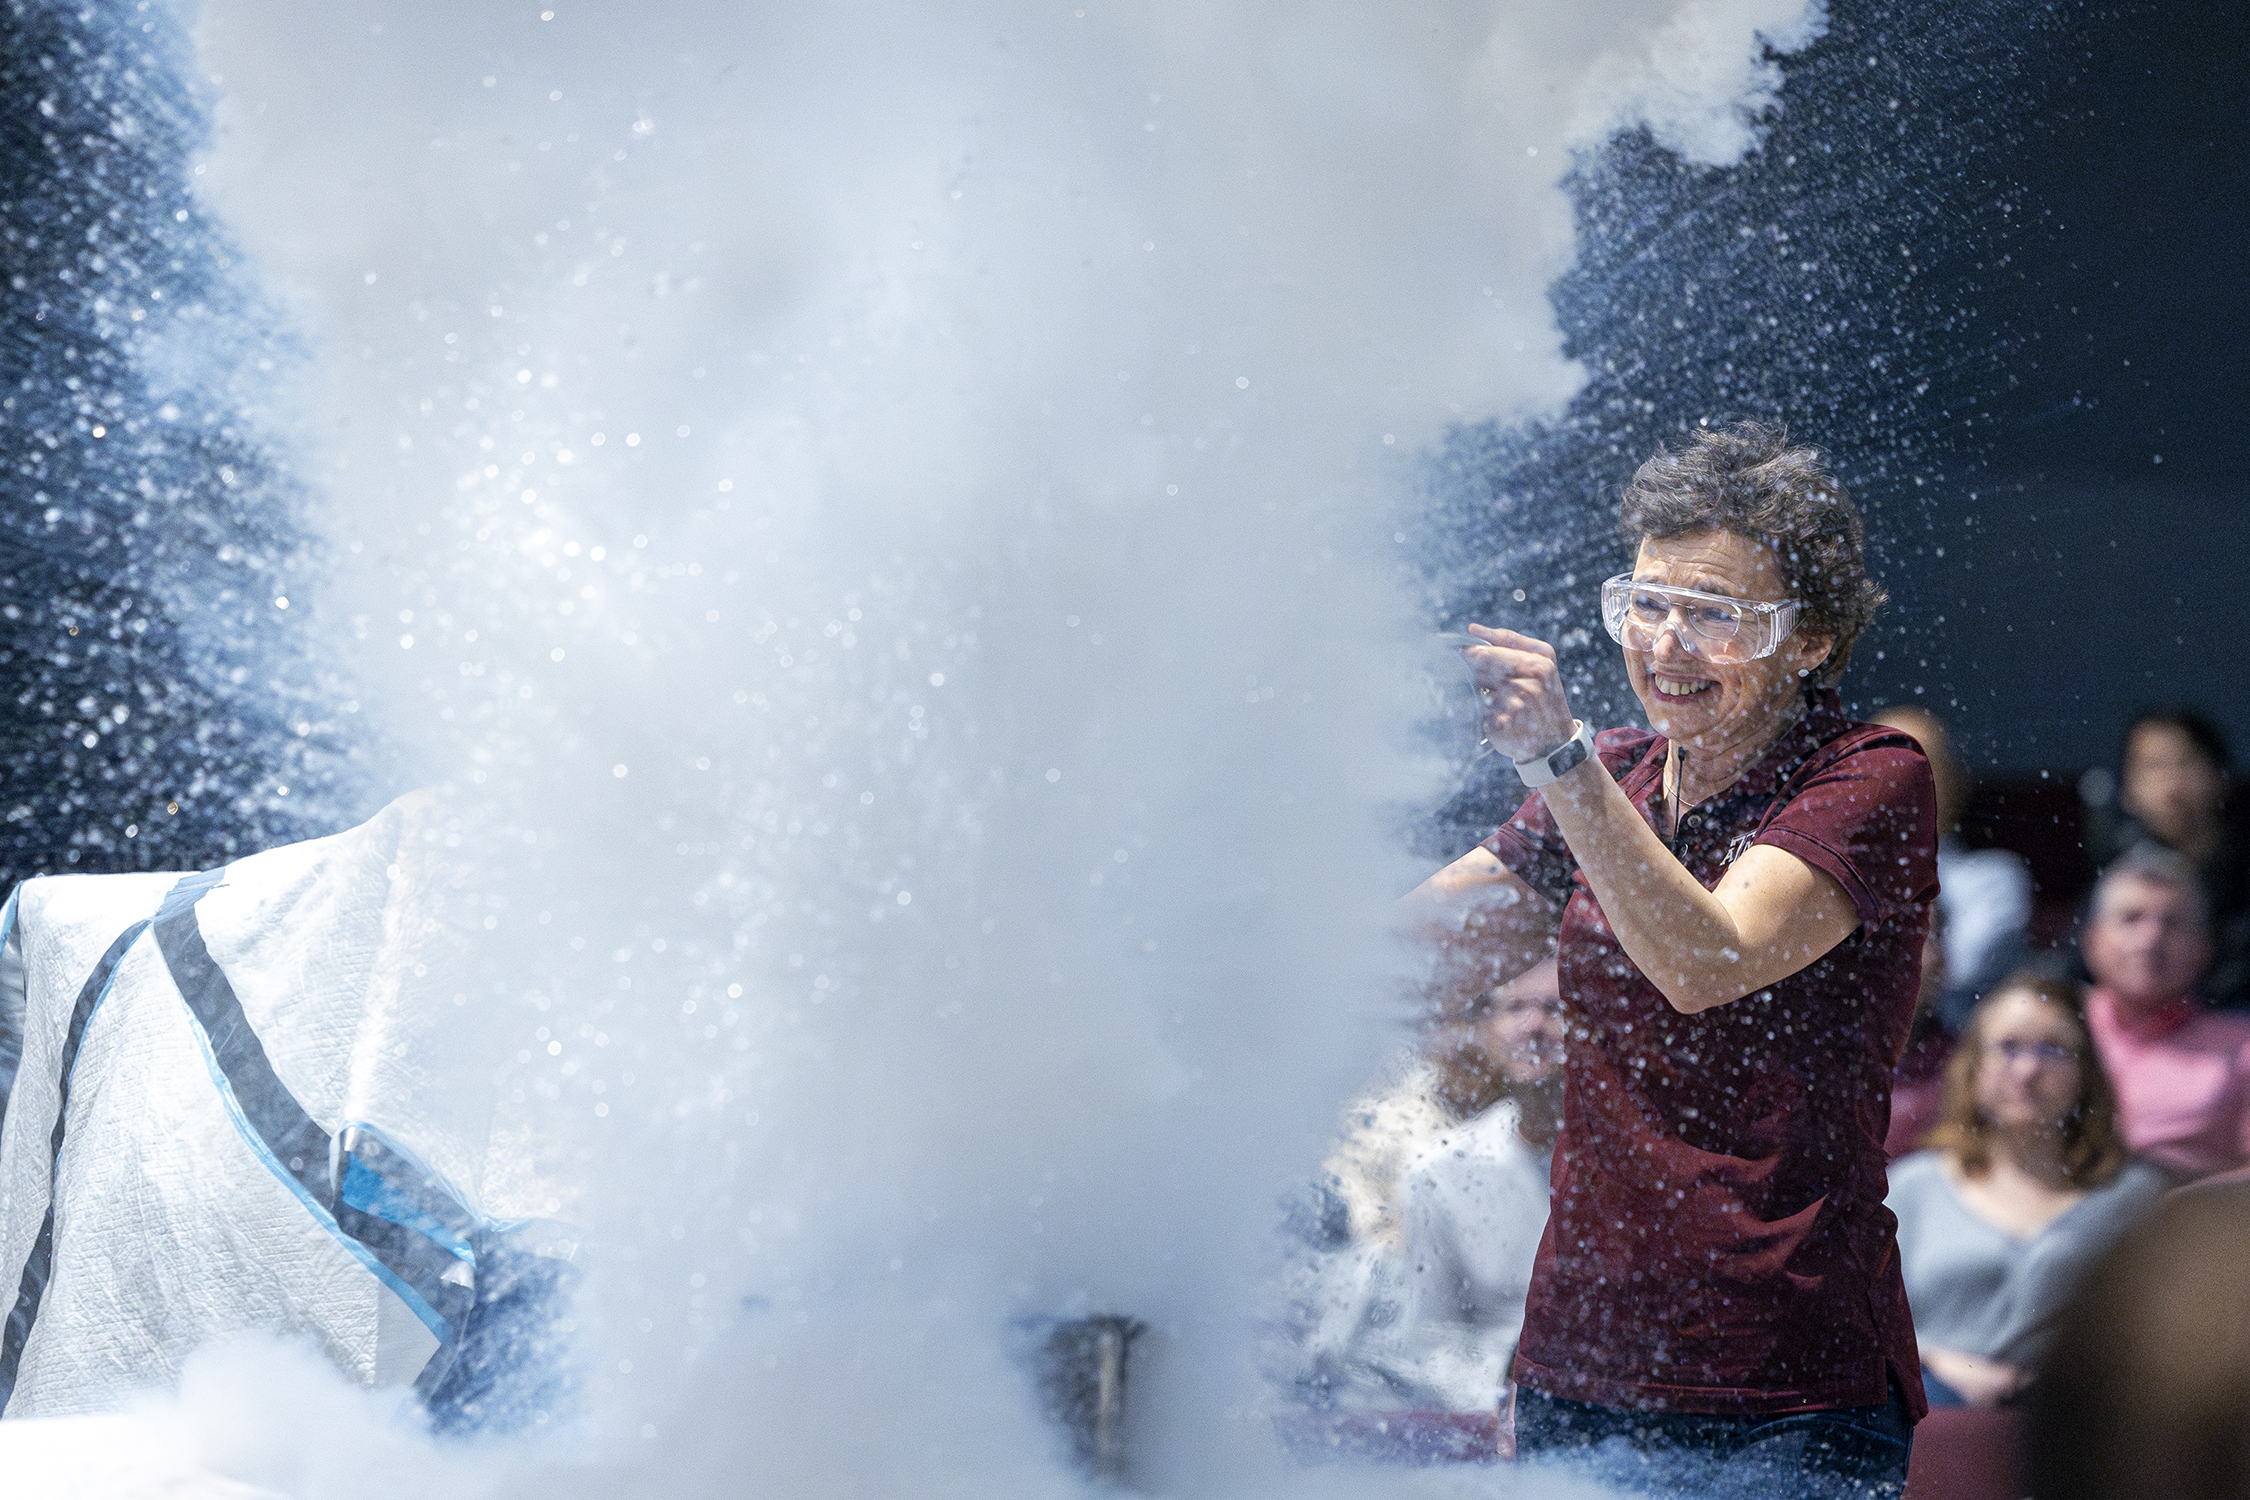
[2025, 1183]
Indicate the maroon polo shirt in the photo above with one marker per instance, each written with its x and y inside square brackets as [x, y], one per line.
[1718, 1241]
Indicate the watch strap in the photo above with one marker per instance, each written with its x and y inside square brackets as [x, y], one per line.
[1560, 761]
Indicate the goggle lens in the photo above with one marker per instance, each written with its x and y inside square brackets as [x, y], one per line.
[1710, 627]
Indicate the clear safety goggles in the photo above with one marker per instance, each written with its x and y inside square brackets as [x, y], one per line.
[1710, 627]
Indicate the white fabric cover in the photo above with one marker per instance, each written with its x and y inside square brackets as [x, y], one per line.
[171, 1229]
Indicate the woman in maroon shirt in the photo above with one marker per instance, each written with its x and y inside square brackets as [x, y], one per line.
[1738, 902]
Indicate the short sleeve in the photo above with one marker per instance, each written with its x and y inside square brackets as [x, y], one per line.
[1534, 851]
[1868, 819]
[1529, 844]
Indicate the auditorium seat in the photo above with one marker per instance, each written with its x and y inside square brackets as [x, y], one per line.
[1966, 1453]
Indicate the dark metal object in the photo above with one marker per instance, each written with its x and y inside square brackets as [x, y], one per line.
[1082, 1376]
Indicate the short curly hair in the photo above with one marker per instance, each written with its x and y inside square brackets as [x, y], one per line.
[1747, 479]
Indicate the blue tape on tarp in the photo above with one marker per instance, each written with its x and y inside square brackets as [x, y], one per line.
[412, 1218]
[31, 1287]
[371, 1192]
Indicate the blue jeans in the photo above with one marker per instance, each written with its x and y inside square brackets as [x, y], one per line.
[1845, 1451]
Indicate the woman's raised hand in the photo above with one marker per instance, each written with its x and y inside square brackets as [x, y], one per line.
[1526, 711]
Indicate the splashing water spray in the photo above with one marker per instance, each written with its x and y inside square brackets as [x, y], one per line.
[886, 528]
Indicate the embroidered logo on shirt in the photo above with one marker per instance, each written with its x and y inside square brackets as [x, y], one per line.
[1741, 845]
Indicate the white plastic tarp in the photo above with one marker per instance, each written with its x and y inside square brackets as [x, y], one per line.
[268, 1115]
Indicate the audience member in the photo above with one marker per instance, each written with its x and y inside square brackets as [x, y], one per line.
[2146, 1390]
[1444, 1178]
[1918, 1082]
[2025, 1183]
[2182, 1071]
[2171, 789]
[1984, 894]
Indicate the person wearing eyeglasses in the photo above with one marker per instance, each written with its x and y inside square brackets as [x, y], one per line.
[2027, 1179]
[1737, 899]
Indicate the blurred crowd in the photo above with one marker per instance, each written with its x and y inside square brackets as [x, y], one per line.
[2070, 1143]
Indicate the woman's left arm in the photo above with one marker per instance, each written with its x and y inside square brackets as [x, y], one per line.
[1771, 915]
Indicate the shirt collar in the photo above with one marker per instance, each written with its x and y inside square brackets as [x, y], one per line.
[2154, 1026]
[1822, 720]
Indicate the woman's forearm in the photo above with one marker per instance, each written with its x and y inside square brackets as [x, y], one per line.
[1677, 933]
[1770, 916]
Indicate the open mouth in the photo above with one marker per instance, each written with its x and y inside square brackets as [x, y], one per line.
[1680, 687]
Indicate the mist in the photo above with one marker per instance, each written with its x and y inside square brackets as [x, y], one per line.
[891, 529]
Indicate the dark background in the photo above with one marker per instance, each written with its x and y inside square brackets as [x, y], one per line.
[1993, 258]
[161, 707]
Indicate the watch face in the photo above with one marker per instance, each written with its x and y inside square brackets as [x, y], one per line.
[1554, 763]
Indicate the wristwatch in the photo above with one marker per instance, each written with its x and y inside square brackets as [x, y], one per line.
[1564, 758]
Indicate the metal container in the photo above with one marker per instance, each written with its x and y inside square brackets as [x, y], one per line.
[1081, 1371]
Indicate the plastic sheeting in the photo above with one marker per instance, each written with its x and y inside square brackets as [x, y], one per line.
[251, 1098]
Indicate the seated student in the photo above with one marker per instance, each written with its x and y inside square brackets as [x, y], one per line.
[2171, 790]
[1443, 1176]
[2182, 1071]
[2026, 1182]
[1984, 895]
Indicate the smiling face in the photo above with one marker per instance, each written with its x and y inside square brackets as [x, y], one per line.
[1701, 705]
[2031, 1071]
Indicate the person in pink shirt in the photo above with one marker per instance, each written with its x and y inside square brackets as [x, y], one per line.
[2182, 1071]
